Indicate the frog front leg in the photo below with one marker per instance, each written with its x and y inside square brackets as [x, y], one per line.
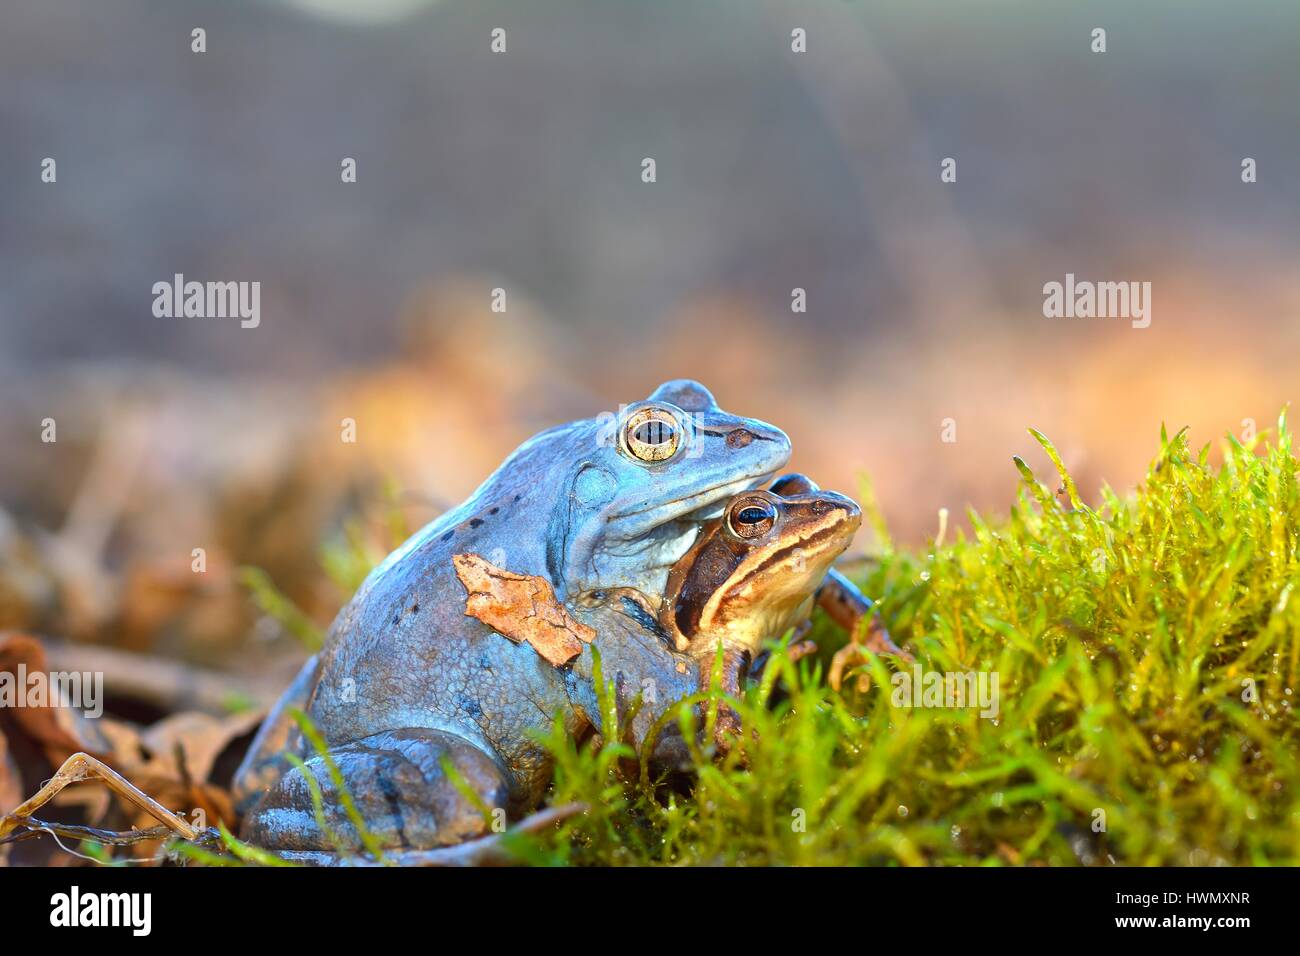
[852, 610]
[401, 788]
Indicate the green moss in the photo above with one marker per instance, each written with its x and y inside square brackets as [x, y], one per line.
[1147, 653]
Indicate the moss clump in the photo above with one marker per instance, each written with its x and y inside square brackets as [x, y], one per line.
[1147, 653]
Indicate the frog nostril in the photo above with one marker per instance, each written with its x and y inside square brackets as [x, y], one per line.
[739, 437]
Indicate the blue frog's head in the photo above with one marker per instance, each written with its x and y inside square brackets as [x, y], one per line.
[638, 483]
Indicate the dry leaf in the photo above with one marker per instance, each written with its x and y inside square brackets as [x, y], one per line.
[182, 750]
[170, 760]
[201, 736]
[11, 782]
[521, 607]
[11, 788]
[58, 731]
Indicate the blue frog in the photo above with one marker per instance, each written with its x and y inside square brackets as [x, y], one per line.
[481, 629]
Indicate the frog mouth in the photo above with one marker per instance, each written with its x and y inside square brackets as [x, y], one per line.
[658, 535]
[823, 546]
[698, 507]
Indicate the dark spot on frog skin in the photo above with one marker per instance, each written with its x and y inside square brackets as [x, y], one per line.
[393, 800]
[644, 618]
[739, 437]
[470, 706]
[475, 522]
[494, 511]
[448, 535]
[413, 609]
[622, 695]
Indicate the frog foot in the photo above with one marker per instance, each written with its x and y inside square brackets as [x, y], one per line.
[492, 850]
[800, 646]
[878, 641]
[799, 649]
[850, 655]
[860, 651]
[405, 785]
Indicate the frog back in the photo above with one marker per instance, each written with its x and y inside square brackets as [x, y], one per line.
[403, 652]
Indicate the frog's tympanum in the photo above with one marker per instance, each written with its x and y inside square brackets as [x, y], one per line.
[479, 630]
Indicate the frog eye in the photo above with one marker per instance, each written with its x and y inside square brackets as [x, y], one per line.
[652, 434]
[752, 517]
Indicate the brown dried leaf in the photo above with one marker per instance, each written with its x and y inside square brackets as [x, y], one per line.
[11, 783]
[11, 788]
[521, 607]
[170, 761]
[181, 751]
[201, 737]
[124, 751]
[201, 804]
[55, 730]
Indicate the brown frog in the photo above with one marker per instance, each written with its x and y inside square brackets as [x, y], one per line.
[756, 572]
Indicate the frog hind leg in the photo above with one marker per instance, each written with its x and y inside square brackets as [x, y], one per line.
[490, 850]
[400, 785]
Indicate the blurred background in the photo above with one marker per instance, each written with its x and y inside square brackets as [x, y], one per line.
[775, 170]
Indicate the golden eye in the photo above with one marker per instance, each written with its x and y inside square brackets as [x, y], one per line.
[652, 434]
[751, 517]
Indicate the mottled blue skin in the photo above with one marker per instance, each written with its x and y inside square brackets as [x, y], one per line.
[407, 681]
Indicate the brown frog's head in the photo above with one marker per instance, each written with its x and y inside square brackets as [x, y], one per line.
[752, 573]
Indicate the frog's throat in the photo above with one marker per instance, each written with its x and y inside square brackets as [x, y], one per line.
[767, 587]
[642, 563]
